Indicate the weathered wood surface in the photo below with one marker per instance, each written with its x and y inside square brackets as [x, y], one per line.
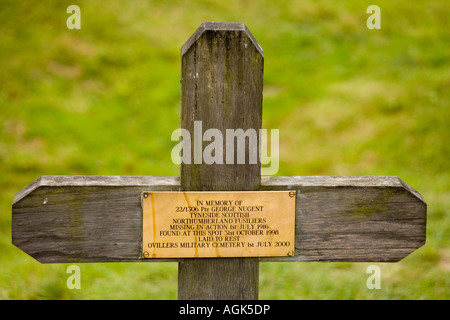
[83, 218]
[354, 218]
[99, 218]
[221, 86]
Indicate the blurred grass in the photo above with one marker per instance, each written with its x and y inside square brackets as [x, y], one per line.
[104, 100]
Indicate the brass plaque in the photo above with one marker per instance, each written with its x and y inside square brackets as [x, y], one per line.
[218, 224]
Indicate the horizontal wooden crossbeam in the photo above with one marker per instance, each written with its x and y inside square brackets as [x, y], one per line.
[62, 219]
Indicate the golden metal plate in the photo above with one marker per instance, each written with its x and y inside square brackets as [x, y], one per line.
[218, 224]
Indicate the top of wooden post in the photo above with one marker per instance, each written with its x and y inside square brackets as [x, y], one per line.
[219, 26]
[221, 89]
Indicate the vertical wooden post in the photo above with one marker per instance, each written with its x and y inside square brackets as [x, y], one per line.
[221, 86]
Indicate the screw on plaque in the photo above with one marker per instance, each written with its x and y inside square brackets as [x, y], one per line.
[145, 194]
[292, 194]
[291, 253]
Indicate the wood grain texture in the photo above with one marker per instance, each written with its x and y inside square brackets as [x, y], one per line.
[221, 86]
[83, 218]
[99, 218]
[354, 218]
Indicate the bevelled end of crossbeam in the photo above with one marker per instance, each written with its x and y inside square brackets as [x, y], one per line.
[59, 219]
[355, 219]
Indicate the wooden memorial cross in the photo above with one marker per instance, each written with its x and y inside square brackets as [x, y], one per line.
[75, 219]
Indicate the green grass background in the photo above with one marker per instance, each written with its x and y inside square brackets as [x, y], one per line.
[347, 100]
